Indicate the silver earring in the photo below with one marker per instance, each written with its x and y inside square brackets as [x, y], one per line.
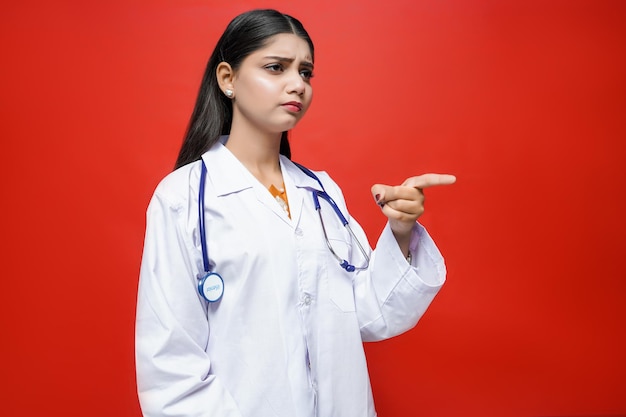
[229, 93]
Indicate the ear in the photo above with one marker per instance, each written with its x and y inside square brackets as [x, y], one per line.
[225, 76]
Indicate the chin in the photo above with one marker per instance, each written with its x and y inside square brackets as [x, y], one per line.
[286, 126]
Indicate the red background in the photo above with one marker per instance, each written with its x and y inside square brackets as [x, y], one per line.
[525, 101]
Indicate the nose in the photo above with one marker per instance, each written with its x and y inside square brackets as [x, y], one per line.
[296, 84]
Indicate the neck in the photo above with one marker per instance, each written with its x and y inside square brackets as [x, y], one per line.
[258, 153]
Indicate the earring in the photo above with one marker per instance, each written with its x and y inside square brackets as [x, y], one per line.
[229, 93]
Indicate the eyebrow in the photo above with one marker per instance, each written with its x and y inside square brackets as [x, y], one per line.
[290, 60]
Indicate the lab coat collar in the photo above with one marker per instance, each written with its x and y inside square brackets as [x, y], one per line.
[234, 176]
[299, 178]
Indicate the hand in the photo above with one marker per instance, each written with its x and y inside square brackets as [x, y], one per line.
[403, 204]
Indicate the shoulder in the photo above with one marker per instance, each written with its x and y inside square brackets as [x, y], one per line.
[178, 187]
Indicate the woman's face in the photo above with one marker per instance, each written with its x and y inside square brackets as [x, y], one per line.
[272, 85]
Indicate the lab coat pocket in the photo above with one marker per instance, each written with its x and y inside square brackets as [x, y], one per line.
[340, 281]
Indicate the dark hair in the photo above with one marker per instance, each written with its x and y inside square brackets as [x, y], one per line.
[213, 112]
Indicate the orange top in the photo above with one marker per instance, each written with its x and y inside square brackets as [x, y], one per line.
[280, 195]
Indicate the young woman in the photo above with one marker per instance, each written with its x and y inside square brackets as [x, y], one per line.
[252, 300]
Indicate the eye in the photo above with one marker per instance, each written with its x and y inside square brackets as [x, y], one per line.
[274, 67]
[306, 74]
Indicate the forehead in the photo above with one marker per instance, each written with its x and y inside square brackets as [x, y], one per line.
[286, 45]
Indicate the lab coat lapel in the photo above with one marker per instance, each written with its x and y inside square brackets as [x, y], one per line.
[299, 187]
[231, 176]
[265, 197]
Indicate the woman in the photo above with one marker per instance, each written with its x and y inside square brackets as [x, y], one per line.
[262, 309]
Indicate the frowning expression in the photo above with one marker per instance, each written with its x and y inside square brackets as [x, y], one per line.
[272, 86]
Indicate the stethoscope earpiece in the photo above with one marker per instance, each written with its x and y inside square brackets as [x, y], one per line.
[348, 267]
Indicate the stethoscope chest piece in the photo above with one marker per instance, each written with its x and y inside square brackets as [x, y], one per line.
[211, 287]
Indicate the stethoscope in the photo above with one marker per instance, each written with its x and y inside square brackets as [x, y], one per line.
[211, 284]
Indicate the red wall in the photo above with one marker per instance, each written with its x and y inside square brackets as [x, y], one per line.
[525, 101]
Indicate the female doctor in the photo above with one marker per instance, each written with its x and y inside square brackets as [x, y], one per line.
[257, 288]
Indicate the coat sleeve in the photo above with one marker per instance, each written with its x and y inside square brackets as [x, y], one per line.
[172, 331]
[391, 295]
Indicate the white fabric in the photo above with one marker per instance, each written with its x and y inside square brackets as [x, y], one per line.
[286, 338]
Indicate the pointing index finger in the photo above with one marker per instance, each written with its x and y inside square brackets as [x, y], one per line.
[429, 180]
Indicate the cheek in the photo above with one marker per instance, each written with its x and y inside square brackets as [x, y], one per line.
[262, 86]
[308, 98]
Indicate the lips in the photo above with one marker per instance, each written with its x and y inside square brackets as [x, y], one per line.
[293, 106]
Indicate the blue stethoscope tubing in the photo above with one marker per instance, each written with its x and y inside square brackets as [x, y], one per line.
[316, 202]
[211, 284]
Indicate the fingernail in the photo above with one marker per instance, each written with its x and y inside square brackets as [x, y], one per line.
[377, 197]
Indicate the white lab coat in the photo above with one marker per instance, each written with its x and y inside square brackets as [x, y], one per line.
[286, 338]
